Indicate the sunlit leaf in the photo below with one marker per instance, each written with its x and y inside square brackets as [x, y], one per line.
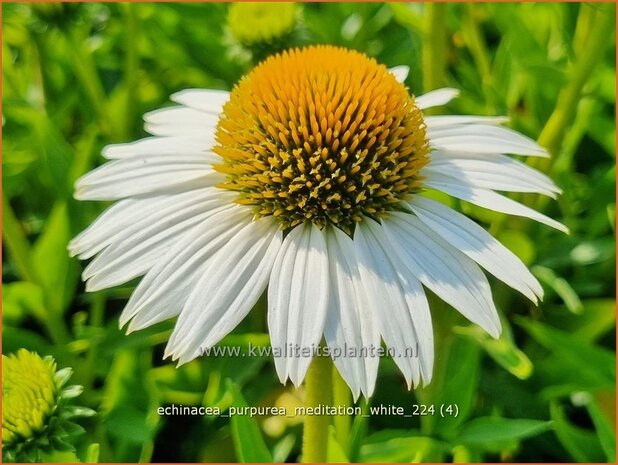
[248, 441]
[583, 445]
[494, 433]
[455, 381]
[560, 286]
[57, 271]
[22, 298]
[404, 449]
[502, 350]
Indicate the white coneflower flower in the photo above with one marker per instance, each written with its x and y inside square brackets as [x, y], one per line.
[308, 180]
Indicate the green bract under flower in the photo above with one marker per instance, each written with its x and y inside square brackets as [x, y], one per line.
[35, 417]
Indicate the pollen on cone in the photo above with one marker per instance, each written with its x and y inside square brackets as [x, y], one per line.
[321, 134]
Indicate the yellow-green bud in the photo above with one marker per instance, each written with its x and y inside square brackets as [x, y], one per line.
[256, 22]
[29, 394]
[35, 416]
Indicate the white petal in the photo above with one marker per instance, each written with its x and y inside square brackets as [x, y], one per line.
[416, 301]
[142, 244]
[471, 239]
[180, 115]
[298, 299]
[231, 284]
[487, 199]
[447, 272]
[165, 288]
[350, 322]
[180, 121]
[497, 172]
[400, 72]
[482, 138]
[210, 101]
[120, 221]
[436, 98]
[109, 223]
[388, 300]
[442, 121]
[155, 174]
[171, 146]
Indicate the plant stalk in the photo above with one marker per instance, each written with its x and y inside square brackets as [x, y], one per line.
[341, 397]
[596, 42]
[318, 392]
[434, 46]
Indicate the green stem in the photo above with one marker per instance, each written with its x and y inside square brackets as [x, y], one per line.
[131, 66]
[596, 42]
[318, 391]
[42, 70]
[87, 76]
[445, 319]
[434, 46]
[594, 28]
[475, 40]
[360, 426]
[585, 23]
[478, 49]
[341, 397]
[97, 315]
[56, 328]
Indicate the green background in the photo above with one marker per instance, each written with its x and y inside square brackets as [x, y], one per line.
[78, 76]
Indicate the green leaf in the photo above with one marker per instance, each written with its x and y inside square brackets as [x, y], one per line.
[16, 243]
[22, 298]
[16, 338]
[502, 350]
[520, 244]
[598, 318]
[238, 369]
[335, 453]
[404, 15]
[589, 252]
[360, 425]
[462, 454]
[129, 405]
[602, 409]
[60, 456]
[455, 381]
[604, 419]
[404, 449]
[61, 445]
[92, 453]
[58, 273]
[560, 286]
[72, 429]
[495, 433]
[248, 441]
[58, 154]
[246, 340]
[129, 423]
[594, 362]
[282, 450]
[583, 445]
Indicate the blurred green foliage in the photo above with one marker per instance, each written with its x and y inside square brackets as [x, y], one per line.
[78, 76]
